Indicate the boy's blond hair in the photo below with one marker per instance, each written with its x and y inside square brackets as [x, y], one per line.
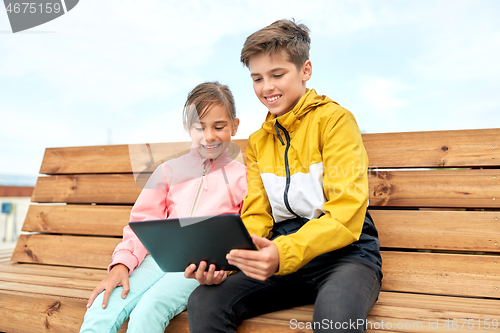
[283, 37]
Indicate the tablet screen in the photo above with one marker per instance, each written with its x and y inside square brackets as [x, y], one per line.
[176, 243]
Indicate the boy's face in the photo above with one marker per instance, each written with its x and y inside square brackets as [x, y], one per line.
[277, 82]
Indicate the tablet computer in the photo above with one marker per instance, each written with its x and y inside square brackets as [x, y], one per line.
[176, 243]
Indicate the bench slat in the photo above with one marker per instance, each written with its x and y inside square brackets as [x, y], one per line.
[50, 281]
[408, 309]
[113, 189]
[449, 149]
[21, 311]
[430, 188]
[78, 251]
[77, 219]
[444, 274]
[435, 188]
[438, 230]
[44, 290]
[91, 274]
[429, 230]
[461, 148]
[116, 158]
[411, 272]
[27, 312]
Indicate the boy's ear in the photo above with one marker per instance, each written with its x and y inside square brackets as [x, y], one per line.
[306, 70]
[236, 123]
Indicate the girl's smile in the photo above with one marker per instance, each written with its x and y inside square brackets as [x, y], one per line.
[211, 135]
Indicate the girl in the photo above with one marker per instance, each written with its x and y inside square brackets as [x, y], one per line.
[203, 182]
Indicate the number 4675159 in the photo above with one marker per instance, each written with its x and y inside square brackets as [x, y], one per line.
[29, 7]
[470, 324]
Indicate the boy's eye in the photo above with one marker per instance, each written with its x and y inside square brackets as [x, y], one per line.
[198, 129]
[257, 79]
[278, 75]
[219, 128]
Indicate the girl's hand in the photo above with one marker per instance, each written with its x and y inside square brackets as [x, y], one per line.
[205, 278]
[260, 264]
[118, 276]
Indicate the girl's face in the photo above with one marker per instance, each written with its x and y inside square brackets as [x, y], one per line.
[212, 134]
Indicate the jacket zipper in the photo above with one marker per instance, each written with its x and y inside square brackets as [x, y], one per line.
[198, 192]
[287, 167]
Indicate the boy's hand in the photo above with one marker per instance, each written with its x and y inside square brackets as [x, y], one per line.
[118, 276]
[260, 264]
[206, 278]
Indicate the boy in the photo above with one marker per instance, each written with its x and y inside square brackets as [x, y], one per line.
[306, 206]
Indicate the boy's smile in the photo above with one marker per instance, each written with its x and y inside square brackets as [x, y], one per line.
[277, 82]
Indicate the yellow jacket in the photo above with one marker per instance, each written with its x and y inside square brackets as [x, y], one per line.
[309, 162]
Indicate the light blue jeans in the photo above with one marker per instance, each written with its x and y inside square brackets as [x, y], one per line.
[154, 299]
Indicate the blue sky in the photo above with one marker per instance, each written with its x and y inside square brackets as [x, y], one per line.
[118, 71]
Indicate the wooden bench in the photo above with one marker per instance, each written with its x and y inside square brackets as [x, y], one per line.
[434, 196]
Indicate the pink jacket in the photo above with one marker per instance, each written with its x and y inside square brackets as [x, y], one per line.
[183, 187]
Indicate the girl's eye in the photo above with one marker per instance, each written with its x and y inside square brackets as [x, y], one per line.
[198, 129]
[257, 80]
[278, 75]
[219, 128]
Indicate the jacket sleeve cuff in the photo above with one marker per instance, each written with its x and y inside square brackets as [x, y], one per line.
[282, 257]
[125, 258]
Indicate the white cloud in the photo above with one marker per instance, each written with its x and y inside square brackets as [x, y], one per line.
[461, 43]
[166, 127]
[119, 52]
[380, 93]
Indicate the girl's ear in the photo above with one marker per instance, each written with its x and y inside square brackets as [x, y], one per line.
[236, 123]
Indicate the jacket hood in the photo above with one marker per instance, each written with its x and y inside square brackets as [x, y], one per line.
[291, 120]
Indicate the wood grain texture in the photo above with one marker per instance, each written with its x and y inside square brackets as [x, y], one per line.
[429, 230]
[120, 188]
[51, 281]
[23, 312]
[438, 230]
[430, 188]
[432, 273]
[434, 149]
[443, 274]
[435, 188]
[78, 251]
[460, 148]
[35, 270]
[16, 191]
[120, 158]
[27, 312]
[77, 219]
[416, 312]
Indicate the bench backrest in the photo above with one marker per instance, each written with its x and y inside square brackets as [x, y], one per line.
[434, 196]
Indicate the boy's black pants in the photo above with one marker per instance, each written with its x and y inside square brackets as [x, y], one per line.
[343, 291]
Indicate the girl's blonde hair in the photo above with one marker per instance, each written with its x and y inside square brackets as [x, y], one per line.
[202, 97]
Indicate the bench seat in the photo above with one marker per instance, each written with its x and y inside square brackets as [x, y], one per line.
[60, 295]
